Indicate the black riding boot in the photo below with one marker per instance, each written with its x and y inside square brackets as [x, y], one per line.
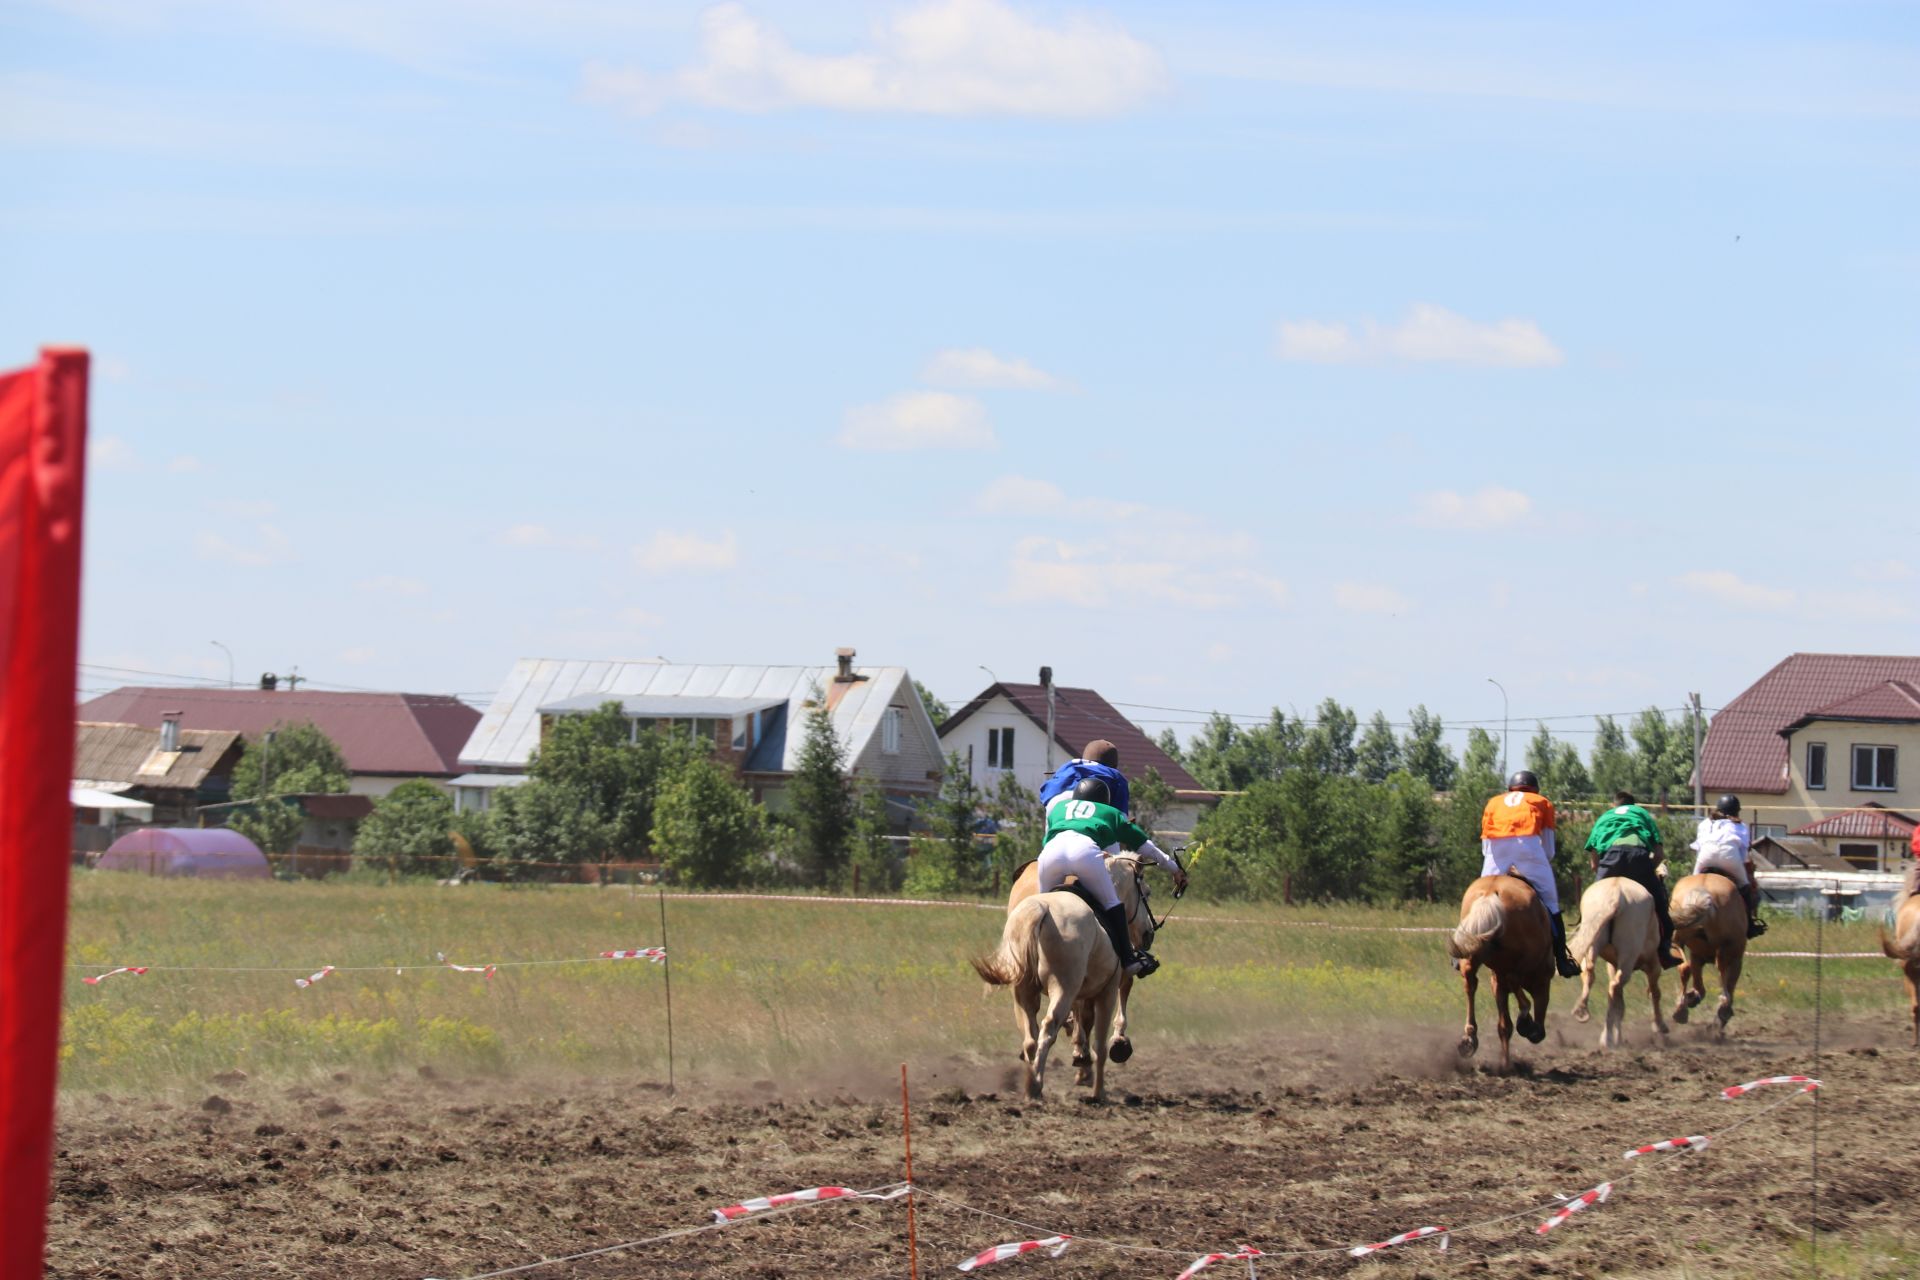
[1562, 958]
[1114, 921]
[1755, 925]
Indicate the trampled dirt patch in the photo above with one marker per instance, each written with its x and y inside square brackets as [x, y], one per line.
[1281, 1145]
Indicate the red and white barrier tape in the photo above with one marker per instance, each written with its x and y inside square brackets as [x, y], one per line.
[1807, 1085]
[1206, 1260]
[747, 1208]
[307, 982]
[139, 970]
[655, 954]
[1054, 1245]
[1586, 1199]
[485, 970]
[1419, 1233]
[1698, 1142]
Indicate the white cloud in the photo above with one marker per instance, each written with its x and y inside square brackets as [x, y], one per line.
[268, 546]
[185, 464]
[111, 453]
[918, 420]
[1730, 588]
[1025, 496]
[668, 552]
[1884, 571]
[942, 57]
[359, 654]
[388, 584]
[1131, 569]
[979, 367]
[1488, 508]
[1369, 597]
[1857, 606]
[1429, 334]
[539, 535]
[639, 619]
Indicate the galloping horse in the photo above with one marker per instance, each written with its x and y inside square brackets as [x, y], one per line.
[1053, 952]
[1904, 945]
[1140, 927]
[1504, 926]
[1709, 923]
[1618, 924]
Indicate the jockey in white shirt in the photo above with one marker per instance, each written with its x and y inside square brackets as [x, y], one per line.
[1723, 845]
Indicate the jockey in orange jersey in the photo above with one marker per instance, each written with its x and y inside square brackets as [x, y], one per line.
[1517, 831]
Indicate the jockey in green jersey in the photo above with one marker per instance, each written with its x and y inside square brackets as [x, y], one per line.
[1077, 831]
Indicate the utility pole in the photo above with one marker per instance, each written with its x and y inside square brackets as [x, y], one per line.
[1504, 775]
[1046, 682]
[293, 681]
[1699, 783]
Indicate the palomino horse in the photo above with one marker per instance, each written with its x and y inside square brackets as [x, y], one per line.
[1057, 959]
[1904, 945]
[1026, 883]
[1504, 926]
[1618, 925]
[1709, 923]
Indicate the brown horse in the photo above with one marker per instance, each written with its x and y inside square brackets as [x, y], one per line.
[1504, 926]
[1904, 945]
[1709, 923]
[1618, 925]
[1026, 883]
[1054, 954]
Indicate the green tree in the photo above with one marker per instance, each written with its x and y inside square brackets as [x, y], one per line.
[1223, 756]
[1328, 746]
[300, 760]
[1457, 856]
[1021, 824]
[1169, 742]
[409, 830]
[1403, 866]
[534, 827]
[271, 823]
[1378, 755]
[1612, 762]
[1558, 767]
[874, 859]
[1152, 796]
[707, 828]
[948, 858]
[1662, 755]
[821, 797]
[937, 710]
[610, 776]
[1425, 751]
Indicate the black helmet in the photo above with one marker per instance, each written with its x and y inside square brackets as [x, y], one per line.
[1728, 805]
[1523, 780]
[1094, 789]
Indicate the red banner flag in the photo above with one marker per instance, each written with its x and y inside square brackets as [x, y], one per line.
[43, 441]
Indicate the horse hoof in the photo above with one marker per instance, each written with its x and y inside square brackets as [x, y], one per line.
[1693, 998]
[1082, 1060]
[1680, 1014]
[1120, 1050]
[1580, 1014]
[1530, 1031]
[1468, 1046]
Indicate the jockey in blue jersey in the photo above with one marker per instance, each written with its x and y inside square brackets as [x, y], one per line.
[1098, 759]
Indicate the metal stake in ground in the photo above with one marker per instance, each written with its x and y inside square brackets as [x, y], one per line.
[906, 1136]
[666, 964]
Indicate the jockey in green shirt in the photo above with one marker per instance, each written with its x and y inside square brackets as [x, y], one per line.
[1077, 831]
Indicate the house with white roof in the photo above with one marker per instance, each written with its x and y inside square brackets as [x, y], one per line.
[755, 717]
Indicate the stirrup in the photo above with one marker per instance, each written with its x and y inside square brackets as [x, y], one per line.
[1144, 963]
[1755, 927]
[1567, 966]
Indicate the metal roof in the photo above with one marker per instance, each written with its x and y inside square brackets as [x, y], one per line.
[1869, 822]
[488, 781]
[1080, 716]
[509, 730]
[676, 705]
[1895, 700]
[1745, 751]
[407, 734]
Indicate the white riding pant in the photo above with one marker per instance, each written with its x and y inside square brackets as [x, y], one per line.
[1072, 854]
[1737, 870]
[1529, 862]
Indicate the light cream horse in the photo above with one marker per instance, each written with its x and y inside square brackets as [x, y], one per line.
[1504, 927]
[1709, 923]
[1618, 925]
[1026, 883]
[1057, 959]
[1904, 945]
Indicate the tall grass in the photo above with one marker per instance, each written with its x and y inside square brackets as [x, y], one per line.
[760, 988]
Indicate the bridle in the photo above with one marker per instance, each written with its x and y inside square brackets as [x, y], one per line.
[1142, 898]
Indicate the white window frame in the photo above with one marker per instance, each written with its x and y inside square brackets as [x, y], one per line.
[1000, 749]
[1807, 767]
[890, 731]
[1853, 770]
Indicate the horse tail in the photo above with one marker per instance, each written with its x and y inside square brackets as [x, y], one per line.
[1595, 930]
[1692, 908]
[1907, 945]
[1482, 923]
[1892, 949]
[1017, 959]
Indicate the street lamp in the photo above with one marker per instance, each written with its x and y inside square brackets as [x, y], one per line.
[1503, 723]
[222, 648]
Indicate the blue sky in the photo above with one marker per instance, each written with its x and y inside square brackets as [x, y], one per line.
[1221, 356]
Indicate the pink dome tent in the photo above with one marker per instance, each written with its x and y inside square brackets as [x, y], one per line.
[211, 853]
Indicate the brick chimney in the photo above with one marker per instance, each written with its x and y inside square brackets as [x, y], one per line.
[845, 675]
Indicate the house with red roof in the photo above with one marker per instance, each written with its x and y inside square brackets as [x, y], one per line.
[1003, 731]
[386, 738]
[1826, 747]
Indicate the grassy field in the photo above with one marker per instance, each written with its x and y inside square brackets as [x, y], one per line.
[761, 988]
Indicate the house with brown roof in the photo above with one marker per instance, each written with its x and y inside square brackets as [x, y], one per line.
[172, 771]
[1825, 747]
[1003, 731]
[386, 738]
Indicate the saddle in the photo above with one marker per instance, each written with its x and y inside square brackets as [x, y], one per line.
[1081, 892]
[1515, 873]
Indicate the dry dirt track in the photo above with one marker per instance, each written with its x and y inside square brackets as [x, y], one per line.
[1284, 1145]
